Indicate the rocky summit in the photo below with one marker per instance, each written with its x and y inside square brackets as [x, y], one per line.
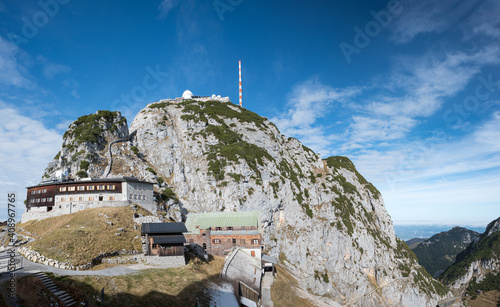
[325, 223]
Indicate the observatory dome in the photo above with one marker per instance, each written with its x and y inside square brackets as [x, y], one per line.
[187, 94]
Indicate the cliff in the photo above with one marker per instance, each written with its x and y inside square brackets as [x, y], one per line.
[325, 222]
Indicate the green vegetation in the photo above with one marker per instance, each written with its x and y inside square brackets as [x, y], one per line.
[440, 251]
[84, 165]
[236, 177]
[82, 174]
[344, 209]
[321, 276]
[135, 150]
[75, 156]
[158, 105]
[203, 110]
[490, 282]
[343, 162]
[168, 194]
[57, 156]
[276, 187]
[486, 248]
[152, 171]
[88, 128]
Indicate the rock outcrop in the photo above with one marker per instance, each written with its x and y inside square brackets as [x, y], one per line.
[478, 262]
[320, 217]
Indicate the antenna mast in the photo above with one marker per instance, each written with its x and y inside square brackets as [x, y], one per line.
[240, 84]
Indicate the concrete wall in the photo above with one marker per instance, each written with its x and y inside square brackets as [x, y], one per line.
[141, 194]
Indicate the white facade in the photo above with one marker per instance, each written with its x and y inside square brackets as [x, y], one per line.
[101, 194]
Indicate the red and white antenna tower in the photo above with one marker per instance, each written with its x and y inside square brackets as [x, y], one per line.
[240, 84]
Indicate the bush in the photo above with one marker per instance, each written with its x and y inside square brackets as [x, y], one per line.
[135, 150]
[84, 165]
[82, 174]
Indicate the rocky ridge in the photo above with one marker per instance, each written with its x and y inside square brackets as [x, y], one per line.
[323, 220]
[479, 262]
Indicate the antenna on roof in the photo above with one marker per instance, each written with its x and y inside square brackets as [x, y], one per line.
[239, 62]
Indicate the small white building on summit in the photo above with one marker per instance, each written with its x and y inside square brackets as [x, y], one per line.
[188, 95]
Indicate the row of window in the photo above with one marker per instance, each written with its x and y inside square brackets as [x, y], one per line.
[242, 241]
[40, 200]
[81, 198]
[135, 196]
[33, 192]
[101, 187]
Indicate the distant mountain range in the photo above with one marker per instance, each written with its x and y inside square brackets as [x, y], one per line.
[439, 252]
[407, 232]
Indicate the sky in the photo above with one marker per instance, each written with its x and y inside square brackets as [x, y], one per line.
[408, 90]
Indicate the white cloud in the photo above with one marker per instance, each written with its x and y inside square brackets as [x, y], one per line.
[308, 102]
[430, 16]
[166, 6]
[27, 147]
[51, 70]
[12, 73]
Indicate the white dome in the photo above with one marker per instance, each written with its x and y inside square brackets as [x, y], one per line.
[187, 94]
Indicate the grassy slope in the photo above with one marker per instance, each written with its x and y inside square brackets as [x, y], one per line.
[283, 292]
[154, 287]
[87, 235]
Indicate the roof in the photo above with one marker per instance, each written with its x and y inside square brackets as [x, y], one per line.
[169, 239]
[115, 179]
[158, 228]
[222, 219]
[245, 268]
[267, 258]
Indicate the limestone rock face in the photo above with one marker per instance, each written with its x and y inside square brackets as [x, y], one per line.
[325, 223]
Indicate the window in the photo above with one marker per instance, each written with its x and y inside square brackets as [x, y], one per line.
[61, 199]
[38, 200]
[71, 188]
[44, 191]
[230, 228]
[100, 198]
[38, 191]
[217, 228]
[135, 196]
[81, 207]
[33, 192]
[32, 200]
[111, 198]
[217, 241]
[81, 188]
[255, 241]
[80, 198]
[144, 197]
[71, 199]
[49, 199]
[111, 187]
[90, 187]
[130, 196]
[204, 234]
[44, 200]
[204, 245]
[91, 197]
[62, 189]
[154, 245]
[139, 197]
[100, 187]
[234, 241]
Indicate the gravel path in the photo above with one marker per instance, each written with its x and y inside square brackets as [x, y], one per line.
[29, 267]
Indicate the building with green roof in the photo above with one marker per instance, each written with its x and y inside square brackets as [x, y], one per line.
[219, 232]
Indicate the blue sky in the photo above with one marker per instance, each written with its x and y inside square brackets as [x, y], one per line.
[409, 90]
